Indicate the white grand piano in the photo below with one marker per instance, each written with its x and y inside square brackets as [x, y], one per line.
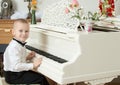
[71, 56]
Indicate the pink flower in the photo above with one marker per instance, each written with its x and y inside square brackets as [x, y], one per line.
[75, 3]
[67, 10]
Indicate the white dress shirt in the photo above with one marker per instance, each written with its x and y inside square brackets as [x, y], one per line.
[15, 58]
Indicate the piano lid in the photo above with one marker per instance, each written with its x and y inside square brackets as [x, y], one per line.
[54, 16]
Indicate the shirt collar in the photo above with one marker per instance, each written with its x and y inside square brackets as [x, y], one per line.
[21, 43]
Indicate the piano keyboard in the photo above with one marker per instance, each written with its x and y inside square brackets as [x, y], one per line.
[48, 55]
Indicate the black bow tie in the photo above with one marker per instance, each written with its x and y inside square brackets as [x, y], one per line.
[23, 44]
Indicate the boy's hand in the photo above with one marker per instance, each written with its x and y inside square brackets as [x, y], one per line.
[36, 63]
[31, 55]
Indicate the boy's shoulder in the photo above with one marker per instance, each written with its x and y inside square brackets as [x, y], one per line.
[13, 44]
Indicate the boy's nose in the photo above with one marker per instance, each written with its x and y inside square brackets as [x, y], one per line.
[23, 33]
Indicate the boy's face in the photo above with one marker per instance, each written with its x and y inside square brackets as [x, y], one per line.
[21, 31]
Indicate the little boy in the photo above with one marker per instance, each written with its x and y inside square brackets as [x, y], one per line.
[17, 70]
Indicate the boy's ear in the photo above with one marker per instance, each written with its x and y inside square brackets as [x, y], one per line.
[13, 32]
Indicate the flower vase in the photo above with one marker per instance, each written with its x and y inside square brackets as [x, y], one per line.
[33, 18]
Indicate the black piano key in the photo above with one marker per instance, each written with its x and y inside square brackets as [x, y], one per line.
[48, 55]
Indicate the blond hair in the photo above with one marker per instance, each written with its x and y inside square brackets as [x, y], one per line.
[24, 21]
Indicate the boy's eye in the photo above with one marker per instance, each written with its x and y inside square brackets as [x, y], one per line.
[21, 30]
[26, 31]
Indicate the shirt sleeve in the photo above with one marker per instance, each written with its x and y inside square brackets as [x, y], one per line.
[15, 58]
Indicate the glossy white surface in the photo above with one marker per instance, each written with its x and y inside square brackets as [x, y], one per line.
[92, 56]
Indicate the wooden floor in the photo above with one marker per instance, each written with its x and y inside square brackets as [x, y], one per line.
[115, 81]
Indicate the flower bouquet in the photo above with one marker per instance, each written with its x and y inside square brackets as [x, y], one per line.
[107, 8]
[76, 10]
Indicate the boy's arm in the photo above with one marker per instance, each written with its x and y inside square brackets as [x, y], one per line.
[30, 56]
